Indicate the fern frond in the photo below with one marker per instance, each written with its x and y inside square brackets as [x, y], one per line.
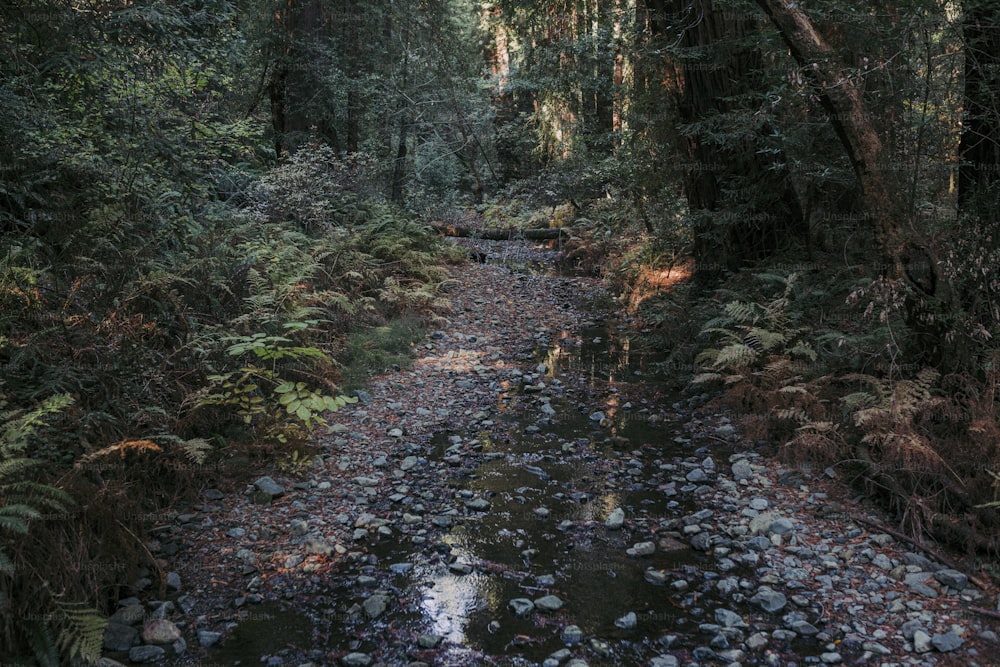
[122, 448]
[82, 632]
[744, 312]
[701, 378]
[196, 449]
[736, 355]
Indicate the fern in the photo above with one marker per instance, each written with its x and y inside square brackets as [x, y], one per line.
[81, 632]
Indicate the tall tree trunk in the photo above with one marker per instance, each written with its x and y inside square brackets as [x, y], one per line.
[979, 150]
[769, 213]
[883, 197]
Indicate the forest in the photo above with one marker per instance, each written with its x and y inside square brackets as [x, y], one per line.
[219, 217]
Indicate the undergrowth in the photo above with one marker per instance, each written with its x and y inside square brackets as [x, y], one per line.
[143, 365]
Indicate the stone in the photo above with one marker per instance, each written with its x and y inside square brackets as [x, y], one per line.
[521, 606]
[319, 547]
[696, 476]
[208, 638]
[831, 658]
[572, 634]
[146, 653]
[780, 527]
[356, 660]
[429, 641]
[664, 661]
[756, 641]
[130, 615]
[729, 619]
[947, 641]
[160, 631]
[478, 504]
[409, 463]
[769, 600]
[549, 603]
[119, 637]
[268, 487]
[642, 549]
[627, 622]
[701, 541]
[742, 470]
[173, 581]
[375, 605]
[921, 642]
[952, 579]
[616, 519]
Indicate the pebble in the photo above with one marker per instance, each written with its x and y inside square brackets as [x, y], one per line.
[268, 487]
[572, 634]
[549, 603]
[627, 622]
[356, 660]
[146, 653]
[521, 606]
[616, 519]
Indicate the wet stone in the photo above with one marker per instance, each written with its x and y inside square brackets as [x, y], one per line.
[428, 641]
[268, 487]
[207, 638]
[356, 660]
[521, 606]
[664, 661]
[572, 634]
[375, 605]
[769, 600]
[952, 579]
[642, 549]
[627, 622]
[549, 603]
[616, 519]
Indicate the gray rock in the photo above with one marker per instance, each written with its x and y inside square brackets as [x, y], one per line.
[133, 614]
[572, 634]
[769, 600]
[356, 660]
[757, 640]
[173, 581]
[759, 504]
[577, 662]
[696, 476]
[742, 470]
[119, 637]
[319, 547]
[701, 541]
[729, 619]
[948, 641]
[910, 627]
[160, 631]
[269, 487]
[780, 527]
[664, 661]
[521, 606]
[952, 579]
[429, 641]
[478, 504]
[375, 605]
[146, 653]
[642, 549]
[409, 463]
[921, 642]
[213, 494]
[208, 638]
[401, 568]
[616, 519]
[627, 622]
[831, 658]
[549, 603]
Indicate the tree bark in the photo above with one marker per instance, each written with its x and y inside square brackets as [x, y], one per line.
[979, 150]
[853, 124]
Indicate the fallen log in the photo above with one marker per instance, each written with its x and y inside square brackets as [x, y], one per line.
[498, 234]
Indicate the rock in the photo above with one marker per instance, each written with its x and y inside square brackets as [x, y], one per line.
[921, 642]
[831, 658]
[401, 568]
[375, 605]
[642, 549]
[616, 519]
[756, 640]
[572, 634]
[910, 627]
[208, 638]
[769, 600]
[108, 662]
[952, 579]
[668, 543]
[319, 547]
[213, 494]
[146, 653]
[780, 527]
[577, 662]
[356, 660]
[429, 641]
[460, 566]
[160, 631]
[409, 463]
[119, 637]
[130, 615]
[664, 661]
[948, 641]
[696, 476]
[549, 603]
[742, 470]
[173, 581]
[478, 504]
[521, 606]
[701, 541]
[627, 622]
[268, 487]
[729, 619]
